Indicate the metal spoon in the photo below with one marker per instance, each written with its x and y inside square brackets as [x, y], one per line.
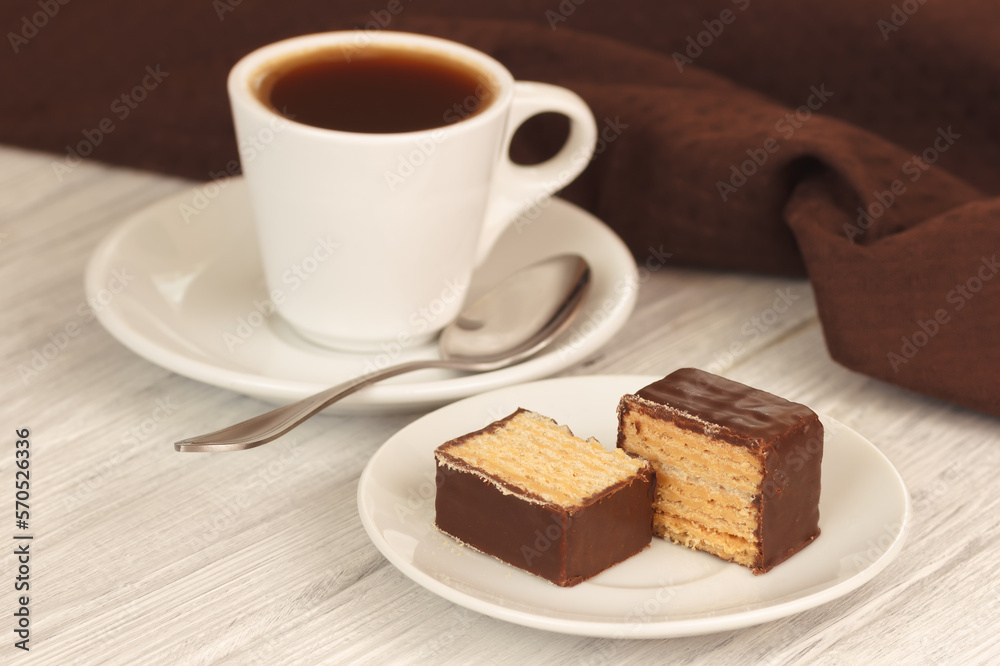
[509, 323]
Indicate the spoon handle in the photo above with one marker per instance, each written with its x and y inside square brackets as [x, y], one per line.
[263, 428]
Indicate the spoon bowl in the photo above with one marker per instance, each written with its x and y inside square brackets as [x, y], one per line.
[511, 322]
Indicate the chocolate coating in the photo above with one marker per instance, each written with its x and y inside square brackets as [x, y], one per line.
[563, 544]
[787, 438]
[745, 415]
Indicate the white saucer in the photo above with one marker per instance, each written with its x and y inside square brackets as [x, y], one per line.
[664, 591]
[182, 292]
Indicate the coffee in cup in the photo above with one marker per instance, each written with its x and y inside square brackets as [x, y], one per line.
[394, 153]
[387, 91]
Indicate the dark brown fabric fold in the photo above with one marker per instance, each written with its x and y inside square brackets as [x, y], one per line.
[852, 142]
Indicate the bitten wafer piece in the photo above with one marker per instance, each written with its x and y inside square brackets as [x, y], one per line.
[528, 492]
[738, 469]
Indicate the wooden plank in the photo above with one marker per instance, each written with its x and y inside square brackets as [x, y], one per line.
[145, 555]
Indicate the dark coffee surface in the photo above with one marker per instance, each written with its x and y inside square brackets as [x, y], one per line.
[889, 103]
[375, 89]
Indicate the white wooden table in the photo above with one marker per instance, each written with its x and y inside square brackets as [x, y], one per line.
[143, 555]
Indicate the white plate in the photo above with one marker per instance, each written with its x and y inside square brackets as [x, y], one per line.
[664, 591]
[180, 283]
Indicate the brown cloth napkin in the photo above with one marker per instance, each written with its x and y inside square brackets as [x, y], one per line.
[855, 142]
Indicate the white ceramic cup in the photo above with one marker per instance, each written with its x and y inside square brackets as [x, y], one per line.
[371, 239]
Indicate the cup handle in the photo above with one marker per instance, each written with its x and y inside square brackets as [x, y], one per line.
[516, 188]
